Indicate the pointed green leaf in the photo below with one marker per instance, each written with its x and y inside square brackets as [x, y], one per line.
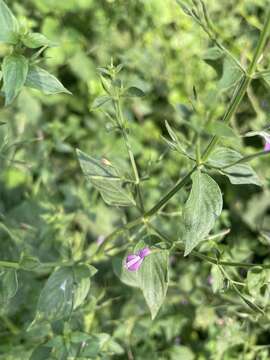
[231, 74]
[40, 79]
[41, 353]
[56, 298]
[152, 276]
[220, 129]
[8, 25]
[202, 208]
[36, 40]
[153, 280]
[133, 91]
[129, 278]
[217, 279]
[265, 77]
[106, 180]
[81, 284]
[8, 285]
[99, 101]
[65, 290]
[241, 173]
[15, 68]
[255, 280]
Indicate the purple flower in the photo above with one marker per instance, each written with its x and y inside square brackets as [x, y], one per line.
[134, 261]
[267, 146]
[100, 240]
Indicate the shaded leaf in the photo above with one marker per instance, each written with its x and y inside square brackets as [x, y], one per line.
[133, 91]
[106, 180]
[41, 353]
[202, 208]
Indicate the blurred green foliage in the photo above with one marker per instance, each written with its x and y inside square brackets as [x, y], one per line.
[47, 210]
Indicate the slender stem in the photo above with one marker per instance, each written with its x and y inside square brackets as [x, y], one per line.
[9, 265]
[205, 257]
[244, 83]
[16, 265]
[232, 108]
[129, 150]
[164, 200]
[145, 217]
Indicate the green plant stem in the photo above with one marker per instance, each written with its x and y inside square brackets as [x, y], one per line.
[16, 265]
[205, 257]
[147, 215]
[232, 108]
[129, 151]
[244, 83]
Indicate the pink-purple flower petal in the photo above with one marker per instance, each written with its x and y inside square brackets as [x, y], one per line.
[267, 146]
[133, 262]
[144, 252]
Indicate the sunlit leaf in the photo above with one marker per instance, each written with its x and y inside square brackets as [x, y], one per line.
[8, 25]
[40, 79]
[65, 290]
[106, 180]
[240, 173]
[36, 40]
[202, 208]
[15, 68]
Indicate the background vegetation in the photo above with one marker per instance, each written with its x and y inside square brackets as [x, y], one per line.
[49, 212]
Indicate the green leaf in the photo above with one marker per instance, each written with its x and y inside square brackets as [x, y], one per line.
[220, 129]
[15, 68]
[265, 76]
[213, 53]
[105, 178]
[129, 278]
[82, 283]
[255, 280]
[8, 285]
[41, 353]
[222, 158]
[65, 290]
[40, 79]
[153, 280]
[99, 101]
[152, 276]
[8, 25]
[217, 279]
[231, 74]
[181, 353]
[133, 91]
[202, 208]
[29, 262]
[36, 40]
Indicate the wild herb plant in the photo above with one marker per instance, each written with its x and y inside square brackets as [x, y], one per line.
[141, 248]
